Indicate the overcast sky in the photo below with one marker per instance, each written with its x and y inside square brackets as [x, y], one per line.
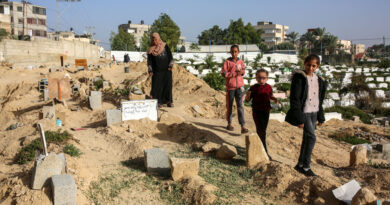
[347, 19]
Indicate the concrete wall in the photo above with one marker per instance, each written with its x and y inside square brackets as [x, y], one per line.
[275, 58]
[42, 51]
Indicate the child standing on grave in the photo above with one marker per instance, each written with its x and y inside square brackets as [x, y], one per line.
[261, 94]
[233, 71]
[306, 97]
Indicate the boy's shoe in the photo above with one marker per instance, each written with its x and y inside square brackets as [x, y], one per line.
[299, 169]
[308, 173]
[170, 105]
[244, 130]
[230, 128]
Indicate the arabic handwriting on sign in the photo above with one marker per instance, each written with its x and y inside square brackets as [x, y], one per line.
[136, 108]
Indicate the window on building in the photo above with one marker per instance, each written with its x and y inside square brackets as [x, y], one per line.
[20, 8]
[29, 21]
[11, 8]
[42, 22]
[20, 20]
[39, 10]
[12, 19]
[12, 32]
[2, 9]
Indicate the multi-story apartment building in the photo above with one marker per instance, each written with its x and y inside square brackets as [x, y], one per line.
[26, 18]
[346, 46]
[138, 30]
[5, 18]
[274, 34]
[358, 48]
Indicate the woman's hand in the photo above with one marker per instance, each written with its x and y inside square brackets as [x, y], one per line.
[301, 126]
[169, 68]
[150, 74]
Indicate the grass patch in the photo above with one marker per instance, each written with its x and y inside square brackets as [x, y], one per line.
[346, 137]
[349, 112]
[233, 179]
[72, 150]
[28, 152]
[381, 165]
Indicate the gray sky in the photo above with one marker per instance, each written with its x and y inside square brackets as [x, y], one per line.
[355, 20]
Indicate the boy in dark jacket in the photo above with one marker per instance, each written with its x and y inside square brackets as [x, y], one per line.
[306, 98]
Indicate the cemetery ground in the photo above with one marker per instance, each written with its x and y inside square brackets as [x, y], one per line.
[107, 161]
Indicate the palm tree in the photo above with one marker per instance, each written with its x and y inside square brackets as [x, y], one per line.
[292, 37]
[209, 63]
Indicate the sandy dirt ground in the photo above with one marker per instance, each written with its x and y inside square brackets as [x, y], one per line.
[105, 149]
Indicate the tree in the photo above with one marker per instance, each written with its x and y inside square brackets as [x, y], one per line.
[213, 36]
[195, 47]
[236, 33]
[286, 46]
[292, 37]
[3, 34]
[209, 63]
[168, 30]
[122, 41]
[256, 61]
[145, 41]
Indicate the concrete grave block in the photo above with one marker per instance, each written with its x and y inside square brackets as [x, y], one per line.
[157, 161]
[106, 85]
[384, 148]
[95, 100]
[113, 116]
[64, 190]
[49, 112]
[62, 157]
[46, 95]
[358, 156]
[44, 168]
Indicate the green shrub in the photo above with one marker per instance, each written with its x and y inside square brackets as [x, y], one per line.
[28, 153]
[385, 63]
[72, 150]
[98, 84]
[215, 80]
[57, 137]
[283, 86]
[121, 91]
[349, 112]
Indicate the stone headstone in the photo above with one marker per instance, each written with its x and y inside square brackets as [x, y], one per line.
[113, 116]
[44, 168]
[384, 148]
[62, 157]
[356, 118]
[181, 168]
[210, 147]
[49, 112]
[364, 197]
[64, 190]
[95, 100]
[226, 152]
[157, 161]
[255, 152]
[358, 155]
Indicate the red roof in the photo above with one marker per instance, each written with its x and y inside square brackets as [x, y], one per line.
[359, 56]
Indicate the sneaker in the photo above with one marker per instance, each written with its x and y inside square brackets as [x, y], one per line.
[244, 130]
[299, 168]
[170, 105]
[308, 173]
[230, 128]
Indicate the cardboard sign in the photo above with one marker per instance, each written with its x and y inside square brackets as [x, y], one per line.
[81, 62]
[138, 109]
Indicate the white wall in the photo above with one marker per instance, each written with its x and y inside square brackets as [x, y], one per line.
[275, 58]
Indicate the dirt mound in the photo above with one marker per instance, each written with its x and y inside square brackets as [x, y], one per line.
[279, 178]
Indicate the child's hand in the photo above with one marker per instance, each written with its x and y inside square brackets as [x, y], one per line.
[319, 124]
[276, 101]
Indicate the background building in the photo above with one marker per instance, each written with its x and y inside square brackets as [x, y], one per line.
[273, 33]
[138, 30]
[346, 46]
[26, 18]
[358, 48]
[5, 18]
